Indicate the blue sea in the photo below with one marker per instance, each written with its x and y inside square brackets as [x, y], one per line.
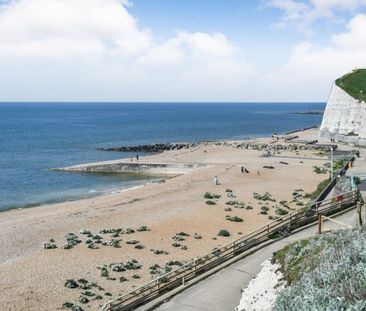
[35, 137]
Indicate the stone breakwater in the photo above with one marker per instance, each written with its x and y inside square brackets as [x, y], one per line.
[156, 148]
[152, 147]
[289, 147]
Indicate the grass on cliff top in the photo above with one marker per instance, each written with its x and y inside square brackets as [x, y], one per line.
[354, 84]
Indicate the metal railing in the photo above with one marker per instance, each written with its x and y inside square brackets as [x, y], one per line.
[276, 229]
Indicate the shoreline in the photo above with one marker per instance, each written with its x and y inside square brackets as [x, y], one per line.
[109, 190]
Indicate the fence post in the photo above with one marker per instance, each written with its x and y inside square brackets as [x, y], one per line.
[359, 216]
[320, 219]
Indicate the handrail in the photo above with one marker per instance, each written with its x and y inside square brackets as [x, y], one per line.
[192, 269]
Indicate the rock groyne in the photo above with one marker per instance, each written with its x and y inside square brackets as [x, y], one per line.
[151, 147]
[156, 148]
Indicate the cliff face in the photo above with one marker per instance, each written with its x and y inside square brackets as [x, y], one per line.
[344, 118]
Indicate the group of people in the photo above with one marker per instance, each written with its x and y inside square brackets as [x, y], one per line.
[244, 170]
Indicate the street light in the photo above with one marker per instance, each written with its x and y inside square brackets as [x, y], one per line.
[331, 162]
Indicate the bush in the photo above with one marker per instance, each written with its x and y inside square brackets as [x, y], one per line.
[209, 195]
[281, 211]
[209, 202]
[224, 233]
[234, 218]
[143, 229]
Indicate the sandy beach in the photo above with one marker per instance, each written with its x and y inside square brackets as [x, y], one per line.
[33, 278]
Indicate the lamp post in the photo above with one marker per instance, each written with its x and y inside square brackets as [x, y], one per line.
[331, 163]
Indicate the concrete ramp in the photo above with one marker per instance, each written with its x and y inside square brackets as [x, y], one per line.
[125, 166]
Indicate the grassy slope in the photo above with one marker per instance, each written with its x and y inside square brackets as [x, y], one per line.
[354, 84]
[324, 273]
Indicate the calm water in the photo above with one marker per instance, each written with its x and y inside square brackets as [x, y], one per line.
[37, 137]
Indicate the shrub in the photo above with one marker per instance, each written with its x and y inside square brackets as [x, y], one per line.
[71, 283]
[234, 218]
[182, 234]
[143, 229]
[263, 197]
[210, 202]
[281, 211]
[224, 233]
[132, 242]
[209, 195]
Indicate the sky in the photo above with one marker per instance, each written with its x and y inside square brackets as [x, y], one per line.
[178, 50]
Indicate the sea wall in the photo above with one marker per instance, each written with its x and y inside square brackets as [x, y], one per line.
[344, 118]
[119, 166]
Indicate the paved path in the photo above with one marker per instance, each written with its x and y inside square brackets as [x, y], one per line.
[221, 292]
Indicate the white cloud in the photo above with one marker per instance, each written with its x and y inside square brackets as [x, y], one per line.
[97, 51]
[302, 13]
[312, 68]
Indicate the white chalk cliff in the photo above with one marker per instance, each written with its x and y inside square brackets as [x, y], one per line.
[344, 118]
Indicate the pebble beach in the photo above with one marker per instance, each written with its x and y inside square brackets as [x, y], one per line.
[172, 222]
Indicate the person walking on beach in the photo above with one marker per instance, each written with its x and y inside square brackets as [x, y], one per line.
[242, 169]
[137, 157]
[216, 180]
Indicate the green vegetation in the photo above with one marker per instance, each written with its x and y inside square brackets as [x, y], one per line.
[263, 197]
[281, 211]
[224, 232]
[209, 195]
[319, 170]
[234, 218]
[324, 273]
[354, 84]
[319, 189]
[210, 202]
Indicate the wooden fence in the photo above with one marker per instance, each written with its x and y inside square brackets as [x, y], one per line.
[276, 229]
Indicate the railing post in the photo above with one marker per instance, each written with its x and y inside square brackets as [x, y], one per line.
[359, 216]
[320, 219]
